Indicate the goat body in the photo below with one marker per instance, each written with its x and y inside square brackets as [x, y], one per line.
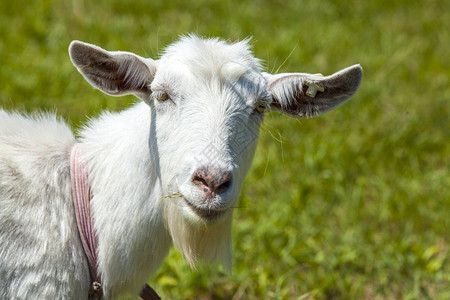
[167, 170]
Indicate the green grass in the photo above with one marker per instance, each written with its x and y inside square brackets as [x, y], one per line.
[351, 205]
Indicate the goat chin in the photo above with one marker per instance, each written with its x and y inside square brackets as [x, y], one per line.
[198, 239]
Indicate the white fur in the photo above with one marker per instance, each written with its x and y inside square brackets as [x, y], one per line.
[141, 162]
[40, 250]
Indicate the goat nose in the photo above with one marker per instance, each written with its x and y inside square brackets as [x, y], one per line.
[211, 180]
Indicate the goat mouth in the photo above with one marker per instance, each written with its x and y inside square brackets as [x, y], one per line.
[205, 213]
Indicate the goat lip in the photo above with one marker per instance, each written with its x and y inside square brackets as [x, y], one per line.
[204, 213]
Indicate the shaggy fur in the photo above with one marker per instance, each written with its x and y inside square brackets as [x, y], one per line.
[40, 250]
[203, 103]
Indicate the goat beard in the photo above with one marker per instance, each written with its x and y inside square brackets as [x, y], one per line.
[204, 243]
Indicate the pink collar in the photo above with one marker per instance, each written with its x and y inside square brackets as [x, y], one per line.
[82, 195]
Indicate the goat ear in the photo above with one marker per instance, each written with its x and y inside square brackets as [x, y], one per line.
[305, 95]
[114, 73]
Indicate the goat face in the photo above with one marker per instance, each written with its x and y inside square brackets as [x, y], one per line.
[207, 100]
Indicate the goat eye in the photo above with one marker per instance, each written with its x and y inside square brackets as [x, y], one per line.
[260, 108]
[162, 96]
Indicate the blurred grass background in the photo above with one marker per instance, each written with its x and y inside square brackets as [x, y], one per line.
[351, 205]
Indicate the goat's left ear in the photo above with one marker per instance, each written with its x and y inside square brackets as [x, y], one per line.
[305, 95]
[114, 73]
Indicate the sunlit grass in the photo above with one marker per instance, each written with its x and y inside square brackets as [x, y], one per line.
[352, 205]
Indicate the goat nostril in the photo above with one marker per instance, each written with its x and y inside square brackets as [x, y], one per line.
[198, 179]
[201, 182]
[223, 187]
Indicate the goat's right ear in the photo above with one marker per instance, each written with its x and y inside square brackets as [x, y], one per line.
[114, 73]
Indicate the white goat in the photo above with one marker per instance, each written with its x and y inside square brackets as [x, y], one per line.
[167, 170]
